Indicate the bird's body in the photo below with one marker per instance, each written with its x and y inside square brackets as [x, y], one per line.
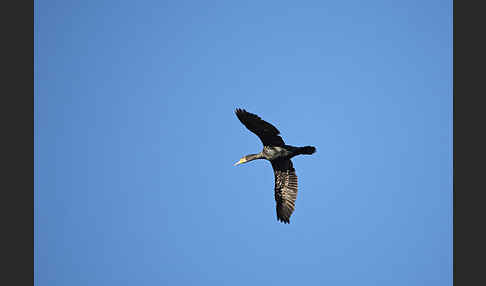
[279, 154]
[273, 153]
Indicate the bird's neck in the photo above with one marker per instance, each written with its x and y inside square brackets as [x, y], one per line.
[252, 157]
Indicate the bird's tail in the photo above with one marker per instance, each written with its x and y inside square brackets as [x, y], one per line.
[307, 150]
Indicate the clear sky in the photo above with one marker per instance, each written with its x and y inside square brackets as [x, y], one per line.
[135, 140]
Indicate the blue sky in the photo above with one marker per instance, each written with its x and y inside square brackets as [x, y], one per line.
[135, 140]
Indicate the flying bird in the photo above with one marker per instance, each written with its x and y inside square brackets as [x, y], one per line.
[279, 154]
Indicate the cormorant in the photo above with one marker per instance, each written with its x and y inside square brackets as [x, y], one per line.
[279, 154]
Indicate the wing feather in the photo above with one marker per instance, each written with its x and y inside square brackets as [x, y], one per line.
[285, 189]
[268, 134]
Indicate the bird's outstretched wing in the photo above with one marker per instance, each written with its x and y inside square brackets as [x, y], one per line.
[285, 189]
[268, 134]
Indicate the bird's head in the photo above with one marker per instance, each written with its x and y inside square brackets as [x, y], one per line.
[242, 160]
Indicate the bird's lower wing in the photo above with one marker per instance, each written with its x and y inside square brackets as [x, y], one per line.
[285, 189]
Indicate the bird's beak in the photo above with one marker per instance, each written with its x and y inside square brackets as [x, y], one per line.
[242, 160]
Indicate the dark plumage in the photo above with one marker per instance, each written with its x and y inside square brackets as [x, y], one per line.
[279, 154]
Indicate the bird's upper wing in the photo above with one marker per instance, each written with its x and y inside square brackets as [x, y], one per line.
[285, 189]
[268, 134]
